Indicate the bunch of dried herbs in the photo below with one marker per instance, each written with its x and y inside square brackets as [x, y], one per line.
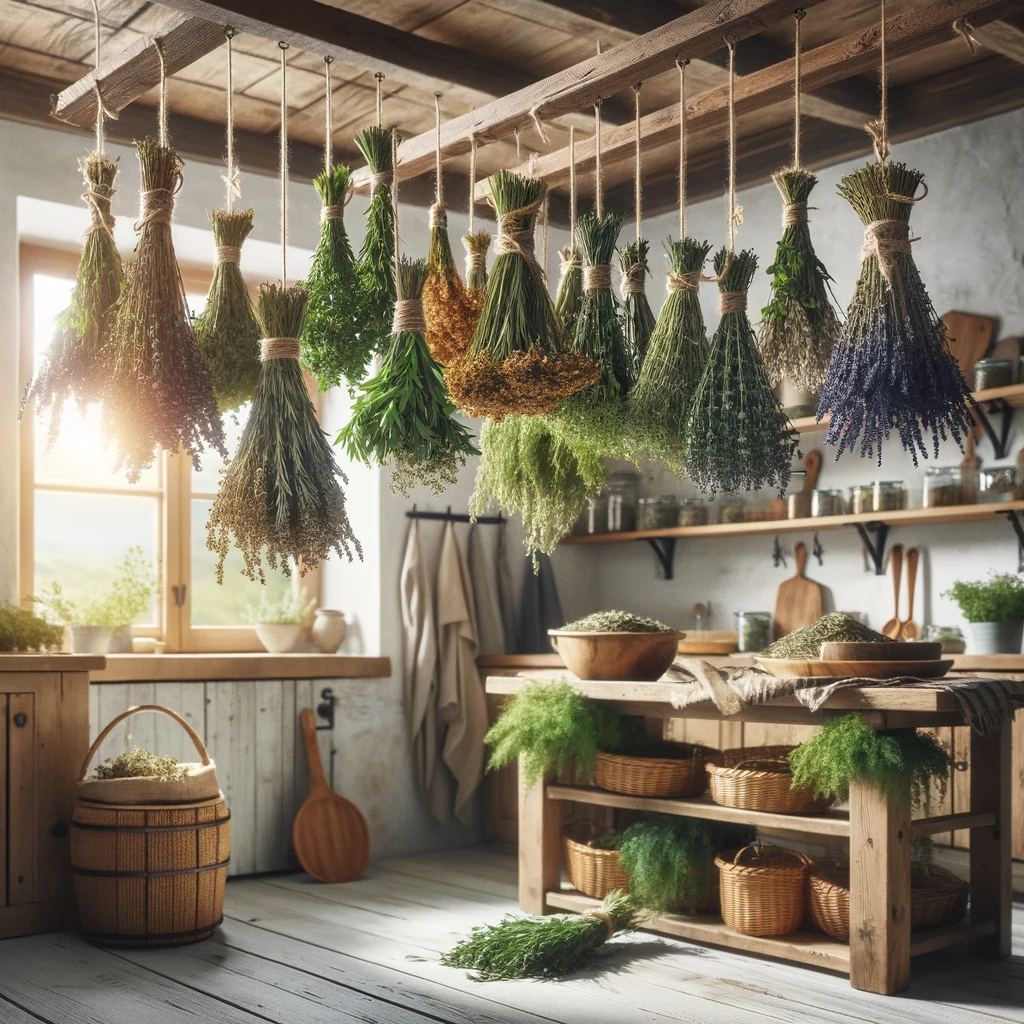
[737, 436]
[451, 309]
[477, 243]
[835, 627]
[138, 763]
[614, 621]
[570, 288]
[639, 318]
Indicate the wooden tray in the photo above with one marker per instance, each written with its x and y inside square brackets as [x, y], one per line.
[709, 641]
[787, 669]
[881, 651]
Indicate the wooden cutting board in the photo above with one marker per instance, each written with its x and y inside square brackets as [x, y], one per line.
[799, 600]
[969, 338]
[330, 835]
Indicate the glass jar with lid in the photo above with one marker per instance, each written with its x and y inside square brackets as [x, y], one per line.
[755, 631]
[659, 513]
[593, 518]
[943, 486]
[731, 508]
[862, 498]
[992, 373]
[951, 638]
[622, 492]
[998, 483]
[888, 495]
[827, 503]
[693, 512]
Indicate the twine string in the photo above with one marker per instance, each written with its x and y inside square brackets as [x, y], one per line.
[229, 254]
[100, 110]
[879, 129]
[634, 280]
[732, 302]
[605, 918]
[279, 348]
[394, 208]
[883, 241]
[471, 212]
[794, 214]
[517, 240]
[597, 275]
[158, 43]
[379, 78]
[798, 16]
[230, 177]
[544, 237]
[99, 203]
[683, 282]
[572, 190]
[409, 316]
[157, 206]
[637, 187]
[328, 115]
[681, 64]
[965, 30]
[598, 182]
[438, 180]
[284, 163]
[735, 212]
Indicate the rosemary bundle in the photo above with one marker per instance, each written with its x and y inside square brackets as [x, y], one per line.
[676, 354]
[160, 394]
[335, 344]
[516, 362]
[280, 498]
[737, 436]
[451, 309]
[891, 368]
[477, 243]
[226, 331]
[76, 364]
[570, 289]
[799, 326]
[541, 947]
[639, 318]
[403, 415]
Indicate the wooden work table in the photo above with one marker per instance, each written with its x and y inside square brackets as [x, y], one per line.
[879, 830]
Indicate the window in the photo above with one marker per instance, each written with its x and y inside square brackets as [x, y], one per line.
[78, 517]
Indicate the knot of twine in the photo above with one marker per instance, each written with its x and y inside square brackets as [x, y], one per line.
[794, 213]
[409, 316]
[102, 218]
[476, 262]
[634, 280]
[883, 246]
[600, 915]
[334, 212]
[597, 275]
[279, 348]
[684, 282]
[519, 240]
[569, 262]
[157, 205]
[438, 216]
[379, 178]
[229, 254]
[732, 302]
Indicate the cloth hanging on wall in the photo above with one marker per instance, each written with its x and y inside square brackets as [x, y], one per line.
[506, 596]
[461, 702]
[540, 608]
[420, 680]
[483, 572]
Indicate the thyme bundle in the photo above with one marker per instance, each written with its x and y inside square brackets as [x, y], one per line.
[660, 400]
[639, 318]
[280, 499]
[892, 368]
[160, 393]
[737, 436]
[403, 415]
[76, 363]
[451, 309]
[226, 331]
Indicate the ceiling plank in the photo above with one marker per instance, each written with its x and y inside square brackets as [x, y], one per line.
[1003, 38]
[835, 61]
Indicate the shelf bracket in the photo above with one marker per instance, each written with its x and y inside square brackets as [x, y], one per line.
[1005, 410]
[1014, 518]
[876, 547]
[665, 550]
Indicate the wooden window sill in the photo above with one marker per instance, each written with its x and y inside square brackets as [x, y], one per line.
[125, 668]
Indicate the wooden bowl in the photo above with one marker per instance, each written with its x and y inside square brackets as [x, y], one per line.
[785, 668]
[880, 651]
[631, 657]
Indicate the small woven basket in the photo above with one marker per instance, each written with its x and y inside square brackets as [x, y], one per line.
[763, 889]
[759, 779]
[679, 776]
[592, 870]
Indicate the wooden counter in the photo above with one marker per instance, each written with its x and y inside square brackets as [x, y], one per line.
[137, 668]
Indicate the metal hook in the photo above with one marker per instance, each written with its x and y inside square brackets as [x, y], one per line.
[778, 555]
[817, 550]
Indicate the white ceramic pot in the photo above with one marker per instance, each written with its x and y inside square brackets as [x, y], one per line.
[278, 639]
[329, 629]
[121, 641]
[998, 637]
[90, 639]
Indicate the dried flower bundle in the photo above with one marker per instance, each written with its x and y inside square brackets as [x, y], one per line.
[737, 436]
[639, 320]
[671, 370]
[76, 364]
[335, 347]
[452, 310]
[138, 763]
[477, 243]
[280, 498]
[403, 417]
[570, 289]
[891, 368]
[226, 331]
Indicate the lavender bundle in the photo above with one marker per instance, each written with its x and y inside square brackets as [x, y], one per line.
[639, 319]
[452, 310]
[737, 436]
[76, 361]
[799, 326]
[891, 368]
[160, 393]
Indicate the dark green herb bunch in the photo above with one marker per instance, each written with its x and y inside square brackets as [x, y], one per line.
[226, 331]
[570, 288]
[375, 267]
[20, 630]
[280, 498]
[77, 361]
[403, 415]
[336, 345]
[639, 318]
[892, 368]
[737, 436]
[999, 598]
[541, 947]
[672, 368]
[901, 763]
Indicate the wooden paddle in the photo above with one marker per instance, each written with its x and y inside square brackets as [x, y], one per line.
[893, 626]
[330, 835]
[799, 600]
[969, 338]
[800, 501]
[910, 630]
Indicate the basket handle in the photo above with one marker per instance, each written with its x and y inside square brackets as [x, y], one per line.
[802, 857]
[192, 734]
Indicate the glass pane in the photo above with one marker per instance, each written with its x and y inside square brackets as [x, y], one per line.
[207, 479]
[216, 604]
[80, 539]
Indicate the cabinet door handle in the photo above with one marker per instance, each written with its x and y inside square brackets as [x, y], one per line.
[21, 720]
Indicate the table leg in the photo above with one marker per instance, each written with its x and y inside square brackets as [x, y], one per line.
[540, 845]
[991, 885]
[879, 890]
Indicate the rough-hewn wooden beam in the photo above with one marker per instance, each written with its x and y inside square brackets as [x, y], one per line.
[1003, 38]
[835, 61]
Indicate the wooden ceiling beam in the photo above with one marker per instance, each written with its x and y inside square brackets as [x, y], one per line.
[1002, 37]
[835, 61]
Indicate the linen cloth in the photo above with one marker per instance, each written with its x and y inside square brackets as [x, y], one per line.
[540, 609]
[483, 574]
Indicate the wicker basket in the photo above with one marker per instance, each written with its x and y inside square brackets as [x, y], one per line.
[763, 889]
[759, 779]
[678, 776]
[150, 874]
[592, 870]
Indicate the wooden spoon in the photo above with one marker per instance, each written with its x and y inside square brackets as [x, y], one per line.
[910, 629]
[893, 626]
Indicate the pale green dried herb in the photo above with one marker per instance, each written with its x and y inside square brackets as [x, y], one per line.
[805, 644]
[138, 763]
[616, 622]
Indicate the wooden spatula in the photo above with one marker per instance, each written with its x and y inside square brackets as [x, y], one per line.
[800, 501]
[330, 835]
[893, 626]
[799, 600]
[969, 338]
[910, 630]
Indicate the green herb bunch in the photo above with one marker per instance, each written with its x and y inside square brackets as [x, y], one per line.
[548, 947]
[77, 361]
[477, 245]
[799, 326]
[452, 310]
[639, 318]
[336, 344]
[737, 436]
[138, 763]
[570, 288]
[280, 498]
[616, 622]
[20, 630]
[900, 763]
[672, 367]
[835, 627]
[998, 599]
[226, 331]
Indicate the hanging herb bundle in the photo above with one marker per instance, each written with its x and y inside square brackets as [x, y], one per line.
[516, 361]
[477, 243]
[570, 288]
[639, 318]
[737, 436]
[403, 416]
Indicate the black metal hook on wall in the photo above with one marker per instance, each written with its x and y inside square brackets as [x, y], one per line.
[778, 555]
[817, 550]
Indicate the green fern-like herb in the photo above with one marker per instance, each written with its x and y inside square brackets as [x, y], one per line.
[20, 630]
[998, 599]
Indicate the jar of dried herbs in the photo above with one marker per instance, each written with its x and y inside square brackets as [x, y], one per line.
[998, 483]
[659, 513]
[827, 503]
[622, 493]
[888, 495]
[951, 638]
[731, 508]
[593, 518]
[992, 373]
[755, 631]
[693, 512]
[943, 486]
[862, 497]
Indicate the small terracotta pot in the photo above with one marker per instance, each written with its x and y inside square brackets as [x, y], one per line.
[631, 657]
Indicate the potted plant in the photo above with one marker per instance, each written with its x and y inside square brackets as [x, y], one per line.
[279, 623]
[20, 630]
[995, 610]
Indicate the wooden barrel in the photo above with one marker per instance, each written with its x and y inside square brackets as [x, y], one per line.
[150, 874]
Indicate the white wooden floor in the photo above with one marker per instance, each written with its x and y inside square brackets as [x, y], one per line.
[296, 952]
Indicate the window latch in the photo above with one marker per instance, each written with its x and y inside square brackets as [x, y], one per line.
[178, 592]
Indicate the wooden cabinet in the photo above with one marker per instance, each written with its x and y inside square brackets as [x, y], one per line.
[44, 734]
